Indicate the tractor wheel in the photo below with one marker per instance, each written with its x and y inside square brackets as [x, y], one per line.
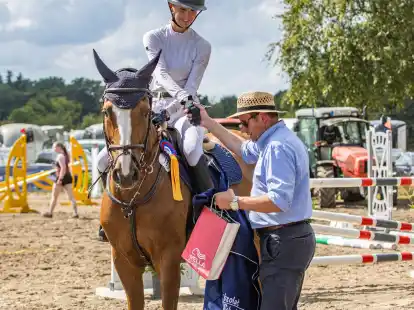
[327, 196]
[351, 194]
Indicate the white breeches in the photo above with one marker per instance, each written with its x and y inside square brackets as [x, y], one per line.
[192, 136]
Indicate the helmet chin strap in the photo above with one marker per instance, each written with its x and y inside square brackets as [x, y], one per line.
[179, 26]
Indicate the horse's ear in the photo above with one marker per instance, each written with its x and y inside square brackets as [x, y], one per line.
[108, 75]
[148, 69]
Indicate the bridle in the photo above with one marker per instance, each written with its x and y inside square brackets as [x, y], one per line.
[126, 149]
[142, 165]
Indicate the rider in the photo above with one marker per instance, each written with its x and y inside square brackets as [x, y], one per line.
[177, 77]
[184, 59]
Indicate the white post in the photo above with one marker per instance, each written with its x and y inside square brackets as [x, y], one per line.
[97, 189]
[381, 167]
[370, 190]
[114, 289]
[115, 283]
[189, 284]
[390, 189]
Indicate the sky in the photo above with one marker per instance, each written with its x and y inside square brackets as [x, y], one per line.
[42, 38]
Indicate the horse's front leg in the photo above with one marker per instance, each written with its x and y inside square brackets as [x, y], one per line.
[131, 278]
[170, 278]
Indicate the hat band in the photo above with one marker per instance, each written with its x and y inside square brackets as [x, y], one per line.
[257, 107]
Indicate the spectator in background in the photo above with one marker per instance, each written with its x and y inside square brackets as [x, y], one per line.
[64, 180]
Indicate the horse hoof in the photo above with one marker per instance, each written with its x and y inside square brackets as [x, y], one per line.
[102, 236]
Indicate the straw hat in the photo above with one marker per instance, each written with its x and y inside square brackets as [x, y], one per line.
[255, 102]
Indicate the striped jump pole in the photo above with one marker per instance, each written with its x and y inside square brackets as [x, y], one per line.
[362, 220]
[362, 259]
[351, 243]
[362, 234]
[364, 182]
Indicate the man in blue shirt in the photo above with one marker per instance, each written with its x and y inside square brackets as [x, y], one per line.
[280, 204]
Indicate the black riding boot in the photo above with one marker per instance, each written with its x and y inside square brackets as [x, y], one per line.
[201, 178]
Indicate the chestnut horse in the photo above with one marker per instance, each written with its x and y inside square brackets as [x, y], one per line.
[143, 223]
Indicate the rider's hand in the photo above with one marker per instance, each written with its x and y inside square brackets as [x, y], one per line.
[159, 118]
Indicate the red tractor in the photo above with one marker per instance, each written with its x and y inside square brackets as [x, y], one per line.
[336, 142]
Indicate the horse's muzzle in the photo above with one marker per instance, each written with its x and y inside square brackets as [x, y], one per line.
[126, 181]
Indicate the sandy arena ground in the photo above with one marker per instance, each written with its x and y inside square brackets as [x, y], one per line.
[58, 263]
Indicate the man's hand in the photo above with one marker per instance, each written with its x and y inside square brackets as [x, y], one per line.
[197, 114]
[191, 109]
[223, 199]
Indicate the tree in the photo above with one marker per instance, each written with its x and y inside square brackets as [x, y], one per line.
[10, 98]
[43, 110]
[21, 83]
[87, 92]
[348, 52]
[225, 107]
[91, 119]
[9, 77]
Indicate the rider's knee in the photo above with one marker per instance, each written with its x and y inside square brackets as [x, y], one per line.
[194, 157]
[103, 160]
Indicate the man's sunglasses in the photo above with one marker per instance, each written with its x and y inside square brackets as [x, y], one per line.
[246, 122]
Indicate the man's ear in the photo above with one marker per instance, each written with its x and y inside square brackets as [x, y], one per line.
[263, 117]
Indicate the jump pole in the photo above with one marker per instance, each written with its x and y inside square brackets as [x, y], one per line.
[362, 234]
[362, 220]
[357, 182]
[351, 243]
[362, 259]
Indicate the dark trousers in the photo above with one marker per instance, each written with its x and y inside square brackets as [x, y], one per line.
[286, 254]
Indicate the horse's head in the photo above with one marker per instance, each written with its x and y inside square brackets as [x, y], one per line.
[127, 108]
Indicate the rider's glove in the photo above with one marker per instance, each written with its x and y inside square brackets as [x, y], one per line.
[193, 110]
[159, 118]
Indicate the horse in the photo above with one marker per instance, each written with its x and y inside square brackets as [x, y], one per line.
[144, 224]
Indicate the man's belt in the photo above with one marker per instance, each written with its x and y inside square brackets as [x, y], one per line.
[275, 227]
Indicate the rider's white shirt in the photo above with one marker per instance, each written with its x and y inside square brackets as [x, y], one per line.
[179, 72]
[182, 64]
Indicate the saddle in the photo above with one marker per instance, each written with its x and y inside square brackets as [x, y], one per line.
[220, 163]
